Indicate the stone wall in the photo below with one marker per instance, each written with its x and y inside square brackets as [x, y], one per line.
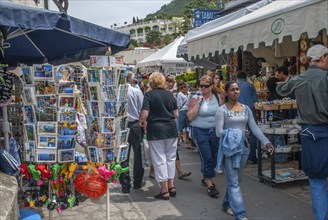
[8, 197]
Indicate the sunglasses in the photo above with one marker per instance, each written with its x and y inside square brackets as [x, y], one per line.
[204, 86]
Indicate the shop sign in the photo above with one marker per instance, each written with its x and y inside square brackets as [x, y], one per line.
[201, 16]
[277, 26]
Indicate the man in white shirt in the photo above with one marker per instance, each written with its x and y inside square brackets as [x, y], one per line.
[135, 100]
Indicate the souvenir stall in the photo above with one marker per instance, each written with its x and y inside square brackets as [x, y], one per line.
[55, 102]
[70, 111]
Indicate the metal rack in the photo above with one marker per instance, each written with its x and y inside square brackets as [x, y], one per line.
[283, 175]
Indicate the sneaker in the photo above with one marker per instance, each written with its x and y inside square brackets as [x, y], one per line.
[183, 175]
[244, 219]
[212, 191]
[151, 175]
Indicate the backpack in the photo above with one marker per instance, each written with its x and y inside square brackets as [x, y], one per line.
[8, 163]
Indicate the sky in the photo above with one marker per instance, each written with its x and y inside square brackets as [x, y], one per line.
[107, 12]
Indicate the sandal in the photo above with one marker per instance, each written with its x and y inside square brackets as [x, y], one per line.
[228, 211]
[172, 193]
[204, 183]
[161, 196]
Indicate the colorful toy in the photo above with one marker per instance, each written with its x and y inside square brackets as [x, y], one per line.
[104, 172]
[118, 171]
[36, 174]
[71, 169]
[24, 171]
[45, 174]
[91, 166]
[93, 186]
[55, 169]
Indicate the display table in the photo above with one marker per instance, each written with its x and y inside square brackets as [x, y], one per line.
[277, 133]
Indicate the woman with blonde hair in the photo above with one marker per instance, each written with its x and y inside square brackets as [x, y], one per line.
[201, 113]
[157, 117]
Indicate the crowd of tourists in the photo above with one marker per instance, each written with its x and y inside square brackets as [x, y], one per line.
[220, 123]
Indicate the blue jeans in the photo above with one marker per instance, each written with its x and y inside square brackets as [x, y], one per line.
[319, 195]
[233, 197]
[182, 120]
[207, 143]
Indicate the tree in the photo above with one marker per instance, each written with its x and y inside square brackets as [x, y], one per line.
[133, 20]
[167, 39]
[125, 23]
[153, 37]
[134, 42]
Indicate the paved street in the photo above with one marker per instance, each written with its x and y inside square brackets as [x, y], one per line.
[291, 201]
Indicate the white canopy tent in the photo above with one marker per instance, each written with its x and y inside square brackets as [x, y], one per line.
[267, 26]
[166, 57]
[183, 47]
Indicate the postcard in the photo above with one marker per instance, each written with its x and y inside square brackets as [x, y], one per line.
[107, 155]
[66, 155]
[29, 151]
[110, 108]
[108, 77]
[94, 91]
[122, 108]
[108, 124]
[123, 122]
[94, 123]
[67, 127]
[93, 75]
[66, 101]
[93, 154]
[46, 114]
[66, 142]
[45, 87]
[67, 114]
[28, 75]
[29, 96]
[122, 92]
[108, 140]
[43, 72]
[122, 154]
[47, 141]
[93, 108]
[29, 114]
[30, 132]
[47, 127]
[109, 93]
[121, 77]
[123, 137]
[47, 155]
[46, 101]
[65, 73]
[66, 87]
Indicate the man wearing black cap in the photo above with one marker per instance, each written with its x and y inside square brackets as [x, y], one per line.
[311, 92]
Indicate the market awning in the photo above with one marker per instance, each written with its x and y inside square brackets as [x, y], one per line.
[166, 56]
[199, 31]
[37, 36]
[271, 23]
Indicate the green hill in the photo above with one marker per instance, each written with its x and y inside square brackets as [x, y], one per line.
[176, 8]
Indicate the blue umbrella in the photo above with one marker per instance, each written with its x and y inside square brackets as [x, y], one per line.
[38, 36]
